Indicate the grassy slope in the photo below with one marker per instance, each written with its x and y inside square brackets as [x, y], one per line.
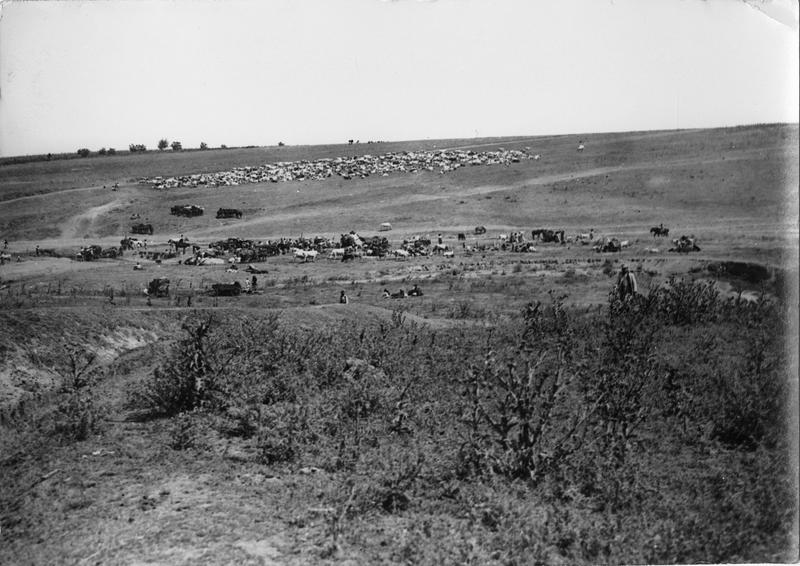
[136, 499]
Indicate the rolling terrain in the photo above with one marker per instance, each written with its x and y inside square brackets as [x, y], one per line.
[80, 339]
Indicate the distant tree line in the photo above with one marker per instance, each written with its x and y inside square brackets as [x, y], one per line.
[84, 152]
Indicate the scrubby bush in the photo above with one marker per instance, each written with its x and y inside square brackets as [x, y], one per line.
[84, 152]
[179, 384]
[163, 144]
[189, 430]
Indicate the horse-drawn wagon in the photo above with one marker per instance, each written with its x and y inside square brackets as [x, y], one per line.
[229, 213]
[142, 229]
[187, 210]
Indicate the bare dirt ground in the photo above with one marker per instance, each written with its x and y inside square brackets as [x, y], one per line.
[125, 497]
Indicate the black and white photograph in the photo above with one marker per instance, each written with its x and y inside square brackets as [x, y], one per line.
[413, 282]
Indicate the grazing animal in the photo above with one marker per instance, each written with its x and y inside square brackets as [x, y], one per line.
[480, 229]
[401, 254]
[336, 253]
[462, 237]
[305, 255]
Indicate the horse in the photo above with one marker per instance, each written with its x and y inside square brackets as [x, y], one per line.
[659, 231]
[179, 244]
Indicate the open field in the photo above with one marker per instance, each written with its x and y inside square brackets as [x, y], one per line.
[463, 426]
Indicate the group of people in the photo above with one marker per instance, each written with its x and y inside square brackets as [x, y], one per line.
[414, 292]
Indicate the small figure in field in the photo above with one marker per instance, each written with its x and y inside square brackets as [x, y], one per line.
[5, 244]
[189, 301]
[343, 298]
[626, 283]
[111, 297]
[37, 250]
[440, 239]
[254, 283]
[415, 291]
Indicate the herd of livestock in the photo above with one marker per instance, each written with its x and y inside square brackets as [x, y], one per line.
[345, 167]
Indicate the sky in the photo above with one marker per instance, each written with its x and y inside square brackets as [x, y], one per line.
[252, 72]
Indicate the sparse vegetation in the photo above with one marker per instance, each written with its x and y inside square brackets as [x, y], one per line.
[544, 403]
[519, 412]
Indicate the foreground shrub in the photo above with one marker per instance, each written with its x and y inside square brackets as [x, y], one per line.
[179, 384]
[188, 430]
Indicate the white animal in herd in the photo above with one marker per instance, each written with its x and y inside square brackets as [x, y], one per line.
[336, 253]
[305, 255]
[400, 254]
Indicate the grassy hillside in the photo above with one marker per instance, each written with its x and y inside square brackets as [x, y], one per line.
[519, 412]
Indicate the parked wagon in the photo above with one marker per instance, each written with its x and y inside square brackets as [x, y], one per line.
[229, 213]
[226, 289]
[142, 229]
[187, 210]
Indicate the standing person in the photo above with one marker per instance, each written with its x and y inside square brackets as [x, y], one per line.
[440, 239]
[343, 298]
[254, 282]
[626, 283]
[37, 250]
